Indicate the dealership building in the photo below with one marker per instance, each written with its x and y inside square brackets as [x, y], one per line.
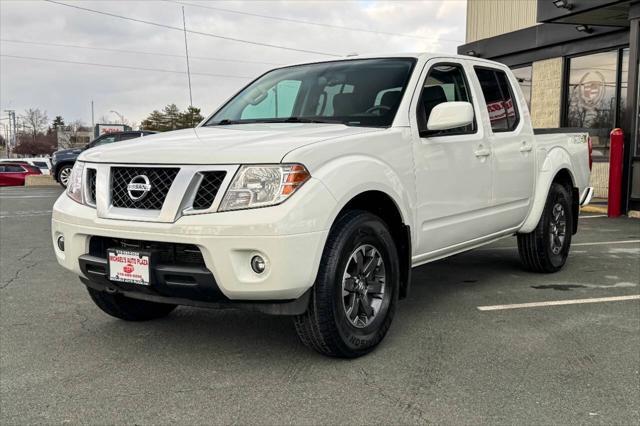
[577, 63]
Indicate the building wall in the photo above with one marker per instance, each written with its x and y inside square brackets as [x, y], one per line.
[546, 93]
[489, 18]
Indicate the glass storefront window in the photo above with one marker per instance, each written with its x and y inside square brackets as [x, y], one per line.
[591, 97]
[524, 76]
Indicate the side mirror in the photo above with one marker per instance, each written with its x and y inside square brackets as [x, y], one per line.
[450, 115]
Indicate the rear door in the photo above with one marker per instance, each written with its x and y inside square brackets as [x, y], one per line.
[452, 167]
[12, 175]
[511, 139]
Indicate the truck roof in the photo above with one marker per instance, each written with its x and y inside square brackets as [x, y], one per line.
[417, 55]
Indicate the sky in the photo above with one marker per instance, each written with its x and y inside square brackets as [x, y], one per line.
[219, 67]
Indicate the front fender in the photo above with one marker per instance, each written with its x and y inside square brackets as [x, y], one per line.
[348, 176]
[553, 162]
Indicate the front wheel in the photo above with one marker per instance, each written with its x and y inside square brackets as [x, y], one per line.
[546, 248]
[356, 290]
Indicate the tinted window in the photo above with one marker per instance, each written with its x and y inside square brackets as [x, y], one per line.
[340, 91]
[498, 96]
[444, 83]
[125, 136]
[524, 75]
[40, 164]
[104, 140]
[13, 169]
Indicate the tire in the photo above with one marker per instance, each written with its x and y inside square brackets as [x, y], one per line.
[129, 309]
[348, 316]
[546, 248]
[63, 175]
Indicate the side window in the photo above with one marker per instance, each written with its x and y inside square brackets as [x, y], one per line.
[126, 136]
[498, 95]
[104, 140]
[278, 101]
[444, 83]
[13, 169]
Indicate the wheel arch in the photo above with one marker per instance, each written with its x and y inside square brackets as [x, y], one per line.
[556, 168]
[384, 206]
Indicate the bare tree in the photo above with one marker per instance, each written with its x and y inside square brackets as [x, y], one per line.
[35, 120]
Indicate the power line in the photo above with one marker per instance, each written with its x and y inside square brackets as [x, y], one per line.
[63, 61]
[156, 24]
[137, 52]
[319, 24]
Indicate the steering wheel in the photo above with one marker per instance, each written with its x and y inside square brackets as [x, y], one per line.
[380, 108]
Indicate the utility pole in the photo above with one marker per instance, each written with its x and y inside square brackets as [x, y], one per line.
[93, 123]
[11, 142]
[186, 51]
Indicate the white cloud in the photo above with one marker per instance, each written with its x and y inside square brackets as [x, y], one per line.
[67, 90]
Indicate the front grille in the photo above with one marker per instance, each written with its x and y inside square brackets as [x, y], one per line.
[91, 182]
[208, 189]
[166, 253]
[160, 179]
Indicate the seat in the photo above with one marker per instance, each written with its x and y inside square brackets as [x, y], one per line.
[343, 104]
[431, 96]
[391, 99]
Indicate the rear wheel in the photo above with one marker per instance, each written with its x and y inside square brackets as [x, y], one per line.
[356, 290]
[129, 309]
[546, 248]
[64, 174]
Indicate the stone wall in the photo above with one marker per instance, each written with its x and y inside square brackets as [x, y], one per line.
[546, 93]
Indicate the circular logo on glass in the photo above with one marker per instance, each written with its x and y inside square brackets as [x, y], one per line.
[138, 187]
[591, 88]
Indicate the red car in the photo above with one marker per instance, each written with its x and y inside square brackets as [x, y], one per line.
[14, 174]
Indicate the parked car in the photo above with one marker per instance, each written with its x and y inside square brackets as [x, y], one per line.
[14, 174]
[43, 163]
[315, 190]
[64, 159]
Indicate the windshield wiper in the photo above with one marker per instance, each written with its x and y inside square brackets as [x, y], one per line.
[224, 122]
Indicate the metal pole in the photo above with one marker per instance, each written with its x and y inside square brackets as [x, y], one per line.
[93, 124]
[186, 51]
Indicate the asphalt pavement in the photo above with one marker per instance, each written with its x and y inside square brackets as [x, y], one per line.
[461, 350]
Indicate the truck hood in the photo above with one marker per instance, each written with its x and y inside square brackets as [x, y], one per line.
[232, 144]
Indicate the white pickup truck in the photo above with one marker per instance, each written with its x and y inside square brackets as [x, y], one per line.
[316, 189]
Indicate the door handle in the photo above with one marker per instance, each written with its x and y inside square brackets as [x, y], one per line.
[482, 152]
[526, 147]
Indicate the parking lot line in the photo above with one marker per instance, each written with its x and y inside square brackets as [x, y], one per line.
[559, 303]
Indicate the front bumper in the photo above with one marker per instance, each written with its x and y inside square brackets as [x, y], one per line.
[290, 237]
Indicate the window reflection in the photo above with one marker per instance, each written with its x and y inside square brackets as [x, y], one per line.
[524, 77]
[592, 97]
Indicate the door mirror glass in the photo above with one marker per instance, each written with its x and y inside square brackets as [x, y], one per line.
[450, 115]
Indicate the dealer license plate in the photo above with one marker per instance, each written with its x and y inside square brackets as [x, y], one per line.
[129, 266]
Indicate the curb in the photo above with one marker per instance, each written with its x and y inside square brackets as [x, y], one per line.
[40, 180]
[594, 209]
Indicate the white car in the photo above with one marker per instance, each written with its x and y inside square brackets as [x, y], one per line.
[316, 189]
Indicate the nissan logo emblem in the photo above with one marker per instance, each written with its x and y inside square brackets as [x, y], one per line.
[138, 187]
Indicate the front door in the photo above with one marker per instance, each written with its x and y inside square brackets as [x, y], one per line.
[452, 167]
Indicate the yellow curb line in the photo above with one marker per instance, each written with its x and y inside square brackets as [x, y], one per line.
[594, 209]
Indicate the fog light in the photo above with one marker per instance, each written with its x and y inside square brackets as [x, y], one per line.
[258, 264]
[61, 242]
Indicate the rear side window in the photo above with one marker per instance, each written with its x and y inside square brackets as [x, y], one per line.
[498, 94]
[13, 169]
[40, 164]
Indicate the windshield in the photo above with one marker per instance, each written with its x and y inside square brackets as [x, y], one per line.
[363, 92]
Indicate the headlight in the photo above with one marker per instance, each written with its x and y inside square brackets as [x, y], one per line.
[263, 185]
[74, 187]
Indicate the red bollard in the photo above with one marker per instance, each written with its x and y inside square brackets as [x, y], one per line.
[616, 154]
